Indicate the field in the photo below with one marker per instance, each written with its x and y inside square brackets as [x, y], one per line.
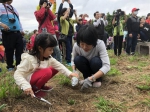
[125, 88]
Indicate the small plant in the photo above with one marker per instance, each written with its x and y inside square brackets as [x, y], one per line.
[107, 106]
[145, 79]
[113, 72]
[2, 107]
[113, 61]
[71, 102]
[143, 87]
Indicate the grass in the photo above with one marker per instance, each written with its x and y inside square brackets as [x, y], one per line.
[104, 105]
[2, 107]
[113, 61]
[145, 80]
[63, 80]
[113, 72]
[132, 58]
[8, 86]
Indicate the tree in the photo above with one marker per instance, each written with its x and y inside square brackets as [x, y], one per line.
[109, 27]
[28, 34]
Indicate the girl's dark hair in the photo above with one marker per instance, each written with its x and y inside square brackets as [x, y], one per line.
[44, 40]
[88, 35]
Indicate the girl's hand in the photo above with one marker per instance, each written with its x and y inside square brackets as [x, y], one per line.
[29, 91]
[74, 75]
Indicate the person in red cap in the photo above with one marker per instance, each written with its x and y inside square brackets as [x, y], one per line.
[133, 26]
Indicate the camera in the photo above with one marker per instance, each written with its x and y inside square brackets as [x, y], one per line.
[103, 14]
[49, 4]
[44, 30]
[12, 20]
[117, 15]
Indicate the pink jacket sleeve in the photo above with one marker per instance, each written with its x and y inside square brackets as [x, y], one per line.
[40, 14]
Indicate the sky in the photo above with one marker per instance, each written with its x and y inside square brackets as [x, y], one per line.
[26, 8]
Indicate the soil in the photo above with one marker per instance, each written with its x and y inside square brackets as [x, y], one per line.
[120, 89]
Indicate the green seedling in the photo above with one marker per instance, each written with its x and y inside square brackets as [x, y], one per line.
[71, 102]
[143, 87]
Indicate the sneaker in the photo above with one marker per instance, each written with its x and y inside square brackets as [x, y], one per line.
[10, 69]
[68, 64]
[46, 88]
[40, 94]
[132, 53]
[97, 84]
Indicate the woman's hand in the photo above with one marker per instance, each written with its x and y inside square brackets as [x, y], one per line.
[29, 91]
[75, 12]
[63, 1]
[44, 4]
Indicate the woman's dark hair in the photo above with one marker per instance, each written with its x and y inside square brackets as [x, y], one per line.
[44, 40]
[88, 35]
[42, 1]
[62, 11]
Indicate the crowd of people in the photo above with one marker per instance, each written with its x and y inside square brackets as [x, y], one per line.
[88, 54]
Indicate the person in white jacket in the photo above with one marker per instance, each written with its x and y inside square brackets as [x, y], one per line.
[37, 67]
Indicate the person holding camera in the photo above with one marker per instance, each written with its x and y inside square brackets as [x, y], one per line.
[133, 26]
[45, 18]
[11, 33]
[99, 25]
[118, 21]
[67, 29]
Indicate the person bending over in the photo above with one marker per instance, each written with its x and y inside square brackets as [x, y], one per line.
[90, 57]
[39, 66]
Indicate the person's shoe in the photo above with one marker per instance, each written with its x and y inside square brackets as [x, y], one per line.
[127, 53]
[132, 53]
[0, 70]
[10, 69]
[40, 93]
[68, 64]
[46, 88]
[97, 84]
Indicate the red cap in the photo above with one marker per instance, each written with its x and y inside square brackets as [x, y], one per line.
[135, 9]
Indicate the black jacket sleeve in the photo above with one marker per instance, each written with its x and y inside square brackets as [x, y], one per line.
[71, 11]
